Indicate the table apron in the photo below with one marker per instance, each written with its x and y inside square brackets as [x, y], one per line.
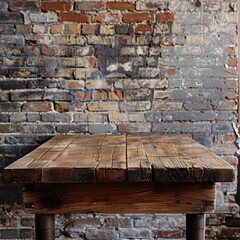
[119, 198]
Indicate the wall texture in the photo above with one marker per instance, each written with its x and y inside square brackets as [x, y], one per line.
[160, 66]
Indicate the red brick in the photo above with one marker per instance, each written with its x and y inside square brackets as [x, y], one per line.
[76, 223]
[232, 62]
[89, 6]
[89, 29]
[74, 17]
[229, 233]
[120, 6]
[168, 234]
[143, 28]
[138, 17]
[165, 17]
[56, 6]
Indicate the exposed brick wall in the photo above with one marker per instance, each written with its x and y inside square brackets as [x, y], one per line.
[115, 67]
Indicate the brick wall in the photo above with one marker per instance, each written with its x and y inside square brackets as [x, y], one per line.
[97, 67]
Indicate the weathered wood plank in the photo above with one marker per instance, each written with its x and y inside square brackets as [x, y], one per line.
[120, 198]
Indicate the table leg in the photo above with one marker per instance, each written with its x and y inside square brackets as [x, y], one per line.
[44, 226]
[195, 226]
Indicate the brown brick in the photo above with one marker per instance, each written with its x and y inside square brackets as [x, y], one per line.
[93, 62]
[117, 95]
[100, 95]
[120, 6]
[230, 51]
[229, 233]
[23, 29]
[72, 29]
[76, 223]
[118, 222]
[89, 6]
[138, 17]
[168, 234]
[89, 29]
[107, 18]
[232, 62]
[49, 51]
[134, 127]
[62, 106]
[143, 28]
[83, 96]
[56, 6]
[55, 29]
[103, 106]
[37, 106]
[74, 17]
[171, 71]
[165, 17]
[74, 84]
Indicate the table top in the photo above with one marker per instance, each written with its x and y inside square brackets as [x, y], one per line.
[119, 158]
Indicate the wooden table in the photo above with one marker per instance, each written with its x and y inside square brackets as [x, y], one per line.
[119, 174]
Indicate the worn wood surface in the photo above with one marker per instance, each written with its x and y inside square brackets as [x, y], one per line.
[119, 158]
[120, 198]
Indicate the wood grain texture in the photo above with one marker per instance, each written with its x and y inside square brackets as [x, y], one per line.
[120, 198]
[119, 158]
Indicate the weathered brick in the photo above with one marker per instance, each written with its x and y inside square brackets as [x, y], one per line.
[4, 117]
[10, 128]
[83, 95]
[37, 106]
[38, 128]
[19, 117]
[74, 17]
[43, 17]
[72, 29]
[134, 233]
[9, 233]
[56, 6]
[11, 17]
[143, 28]
[89, 29]
[95, 233]
[26, 95]
[56, 117]
[89, 6]
[168, 234]
[102, 106]
[165, 17]
[100, 95]
[23, 29]
[58, 96]
[118, 222]
[86, 221]
[10, 107]
[134, 127]
[138, 95]
[120, 6]
[134, 106]
[123, 29]
[138, 17]
[68, 128]
[102, 128]
[7, 29]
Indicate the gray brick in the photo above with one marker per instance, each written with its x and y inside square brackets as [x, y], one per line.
[4, 117]
[102, 128]
[11, 17]
[13, 84]
[49, 83]
[3, 6]
[189, 116]
[33, 117]
[10, 107]
[123, 29]
[153, 116]
[26, 95]
[205, 105]
[38, 128]
[18, 117]
[58, 96]
[9, 233]
[56, 117]
[222, 128]
[74, 128]
[138, 95]
[180, 128]
[7, 29]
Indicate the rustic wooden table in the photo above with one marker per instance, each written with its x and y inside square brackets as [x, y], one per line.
[119, 174]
